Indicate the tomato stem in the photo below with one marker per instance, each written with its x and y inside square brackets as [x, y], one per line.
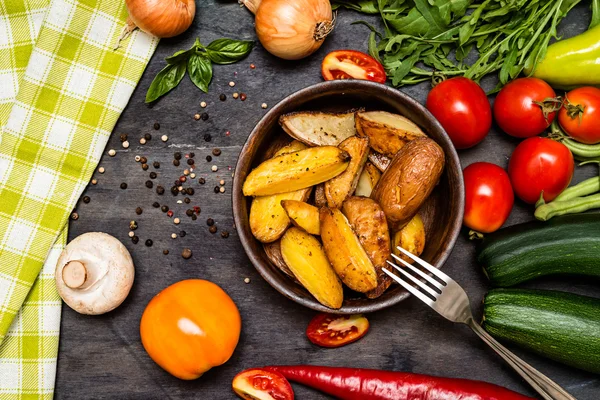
[474, 235]
[574, 110]
[550, 105]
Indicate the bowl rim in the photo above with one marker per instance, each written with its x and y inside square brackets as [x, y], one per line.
[264, 268]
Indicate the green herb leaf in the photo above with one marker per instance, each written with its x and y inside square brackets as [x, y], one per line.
[228, 51]
[200, 71]
[180, 56]
[364, 6]
[595, 14]
[165, 81]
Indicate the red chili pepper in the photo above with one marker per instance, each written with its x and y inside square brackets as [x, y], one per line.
[370, 384]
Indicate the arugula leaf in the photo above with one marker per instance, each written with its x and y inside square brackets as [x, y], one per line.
[165, 81]
[228, 51]
[431, 14]
[200, 71]
[595, 14]
[363, 6]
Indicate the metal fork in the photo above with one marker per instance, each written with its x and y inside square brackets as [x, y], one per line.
[451, 302]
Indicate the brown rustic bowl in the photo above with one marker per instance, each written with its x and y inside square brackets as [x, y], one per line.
[442, 213]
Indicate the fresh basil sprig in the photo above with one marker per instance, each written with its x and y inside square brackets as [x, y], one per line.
[197, 61]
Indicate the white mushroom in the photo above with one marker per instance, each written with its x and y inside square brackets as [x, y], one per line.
[94, 273]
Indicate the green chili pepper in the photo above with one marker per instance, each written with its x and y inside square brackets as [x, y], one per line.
[572, 62]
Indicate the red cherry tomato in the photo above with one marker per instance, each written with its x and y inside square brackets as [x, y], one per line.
[352, 64]
[258, 384]
[516, 110]
[540, 165]
[330, 330]
[580, 117]
[463, 109]
[489, 197]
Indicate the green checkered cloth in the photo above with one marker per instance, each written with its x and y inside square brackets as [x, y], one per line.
[62, 89]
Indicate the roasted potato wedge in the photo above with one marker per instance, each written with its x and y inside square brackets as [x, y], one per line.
[268, 220]
[379, 160]
[387, 132]
[319, 128]
[306, 259]
[303, 215]
[411, 238]
[342, 186]
[370, 225]
[347, 256]
[367, 180]
[273, 252]
[409, 180]
[320, 199]
[297, 170]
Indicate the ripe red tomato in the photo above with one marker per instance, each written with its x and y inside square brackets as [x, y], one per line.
[540, 165]
[255, 383]
[580, 117]
[520, 106]
[352, 64]
[489, 197]
[463, 109]
[330, 330]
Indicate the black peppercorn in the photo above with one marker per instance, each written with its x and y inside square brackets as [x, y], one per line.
[186, 253]
[187, 200]
[208, 158]
[149, 242]
[156, 164]
[164, 209]
[204, 116]
[143, 160]
[207, 137]
[160, 190]
[194, 217]
[145, 167]
[148, 136]
[216, 152]
[201, 181]
[182, 233]
[149, 184]
[222, 97]
[192, 154]
[190, 191]
[123, 185]
[152, 175]
[176, 163]
[177, 156]
[189, 212]
[210, 222]
[212, 229]
[155, 204]
[224, 234]
[174, 191]
[123, 137]
[139, 210]
[165, 252]
[190, 161]
[135, 239]
[156, 126]
[217, 189]
[86, 199]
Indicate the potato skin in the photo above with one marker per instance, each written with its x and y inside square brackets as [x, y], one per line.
[273, 252]
[386, 138]
[342, 186]
[409, 180]
[368, 221]
[320, 199]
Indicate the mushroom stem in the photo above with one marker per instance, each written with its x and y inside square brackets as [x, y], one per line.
[74, 274]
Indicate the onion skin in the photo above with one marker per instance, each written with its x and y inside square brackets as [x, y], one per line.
[288, 29]
[162, 18]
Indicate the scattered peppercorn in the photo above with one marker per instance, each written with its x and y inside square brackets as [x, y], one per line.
[148, 136]
[156, 164]
[133, 225]
[190, 161]
[164, 138]
[201, 181]
[101, 170]
[169, 213]
[222, 189]
[131, 234]
[243, 96]
[186, 253]
[74, 216]
[189, 212]
[247, 280]
[156, 126]
[149, 242]
[214, 168]
[182, 179]
[204, 116]
[190, 191]
[139, 210]
[197, 209]
[194, 217]
[212, 229]
[176, 221]
[176, 163]
[216, 152]
[137, 158]
[252, 66]
[123, 137]
[222, 182]
[149, 184]
[196, 117]
[112, 152]
[125, 144]
[174, 191]
[232, 84]
[207, 137]
[94, 181]
[123, 185]
[187, 200]
[203, 104]
[165, 252]
[186, 171]
[222, 97]
[164, 209]
[192, 155]
[208, 158]
[217, 189]
[155, 204]
[224, 234]
[152, 175]
[160, 190]
[143, 160]
[264, 105]
[235, 95]
[210, 222]
[177, 156]
[145, 167]
[135, 239]
[173, 236]
[142, 140]
[86, 199]
[182, 233]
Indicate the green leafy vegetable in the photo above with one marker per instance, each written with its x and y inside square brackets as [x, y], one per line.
[197, 60]
[424, 38]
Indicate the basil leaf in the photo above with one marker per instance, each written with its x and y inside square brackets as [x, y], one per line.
[180, 56]
[200, 71]
[228, 51]
[166, 80]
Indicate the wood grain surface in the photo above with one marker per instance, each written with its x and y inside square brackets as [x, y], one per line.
[102, 357]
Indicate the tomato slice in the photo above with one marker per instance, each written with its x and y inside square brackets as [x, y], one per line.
[330, 330]
[352, 64]
[258, 384]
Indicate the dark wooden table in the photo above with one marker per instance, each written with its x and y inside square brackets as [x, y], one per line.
[102, 357]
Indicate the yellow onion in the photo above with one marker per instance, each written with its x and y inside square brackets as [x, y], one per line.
[291, 29]
[161, 18]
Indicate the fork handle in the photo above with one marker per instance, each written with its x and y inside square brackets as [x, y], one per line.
[546, 387]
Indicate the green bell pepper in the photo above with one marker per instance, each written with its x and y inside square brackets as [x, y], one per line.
[572, 62]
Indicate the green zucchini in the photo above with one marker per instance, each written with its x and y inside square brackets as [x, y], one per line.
[561, 326]
[567, 245]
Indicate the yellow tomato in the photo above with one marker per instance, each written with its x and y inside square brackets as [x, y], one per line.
[190, 327]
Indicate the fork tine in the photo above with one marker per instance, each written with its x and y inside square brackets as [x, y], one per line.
[426, 265]
[420, 273]
[414, 280]
[410, 288]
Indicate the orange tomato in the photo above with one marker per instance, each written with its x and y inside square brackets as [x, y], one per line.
[190, 327]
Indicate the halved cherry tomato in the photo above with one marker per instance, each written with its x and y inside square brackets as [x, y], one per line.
[258, 384]
[580, 117]
[330, 330]
[352, 64]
